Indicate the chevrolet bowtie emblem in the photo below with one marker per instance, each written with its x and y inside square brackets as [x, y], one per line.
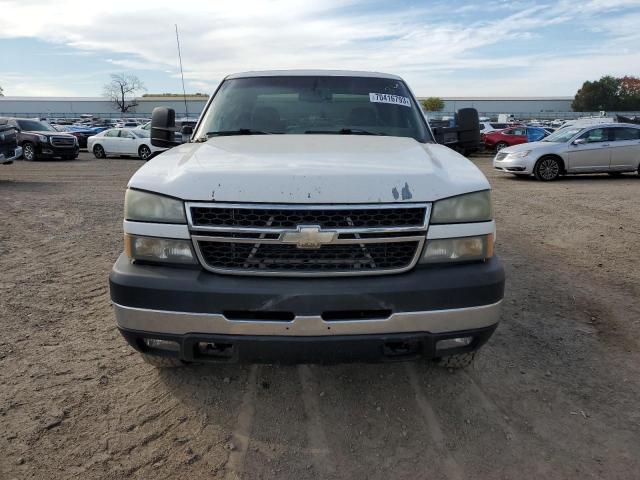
[309, 236]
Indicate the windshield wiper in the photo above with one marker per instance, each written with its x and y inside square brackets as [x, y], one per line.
[345, 131]
[228, 133]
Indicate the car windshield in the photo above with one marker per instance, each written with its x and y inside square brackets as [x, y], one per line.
[562, 135]
[35, 126]
[313, 105]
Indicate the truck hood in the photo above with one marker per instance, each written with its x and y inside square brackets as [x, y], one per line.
[310, 169]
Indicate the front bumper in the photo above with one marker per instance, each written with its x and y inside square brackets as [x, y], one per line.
[519, 165]
[191, 306]
[8, 157]
[45, 150]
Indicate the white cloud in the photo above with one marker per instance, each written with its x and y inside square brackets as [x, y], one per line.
[224, 36]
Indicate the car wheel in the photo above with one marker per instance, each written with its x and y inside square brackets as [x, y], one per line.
[144, 152]
[547, 169]
[28, 151]
[500, 146]
[98, 151]
[459, 360]
[162, 362]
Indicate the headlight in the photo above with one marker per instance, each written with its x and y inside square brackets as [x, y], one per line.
[519, 154]
[463, 249]
[42, 138]
[471, 207]
[165, 250]
[150, 207]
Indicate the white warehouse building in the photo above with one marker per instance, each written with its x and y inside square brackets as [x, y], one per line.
[73, 107]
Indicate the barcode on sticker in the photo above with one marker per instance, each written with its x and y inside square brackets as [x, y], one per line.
[386, 98]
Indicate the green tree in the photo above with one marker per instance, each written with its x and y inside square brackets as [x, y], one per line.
[629, 93]
[433, 104]
[608, 93]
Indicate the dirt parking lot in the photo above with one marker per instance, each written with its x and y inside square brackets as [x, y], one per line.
[555, 393]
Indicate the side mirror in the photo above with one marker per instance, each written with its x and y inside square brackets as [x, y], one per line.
[163, 126]
[580, 141]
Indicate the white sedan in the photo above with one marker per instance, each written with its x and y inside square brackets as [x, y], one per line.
[122, 141]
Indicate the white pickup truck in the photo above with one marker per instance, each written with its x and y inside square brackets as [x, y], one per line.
[310, 218]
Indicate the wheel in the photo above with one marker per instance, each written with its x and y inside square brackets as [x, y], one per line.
[144, 152]
[98, 151]
[547, 169]
[162, 362]
[500, 146]
[459, 360]
[28, 151]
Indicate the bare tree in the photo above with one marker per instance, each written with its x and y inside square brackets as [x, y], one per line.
[121, 91]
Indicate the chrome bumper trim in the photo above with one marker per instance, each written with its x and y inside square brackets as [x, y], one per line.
[179, 323]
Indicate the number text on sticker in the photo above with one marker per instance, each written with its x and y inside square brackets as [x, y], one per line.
[386, 98]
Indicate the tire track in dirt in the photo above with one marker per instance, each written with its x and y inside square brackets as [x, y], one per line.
[318, 445]
[430, 421]
[241, 435]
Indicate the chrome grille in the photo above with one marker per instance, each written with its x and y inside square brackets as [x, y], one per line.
[254, 239]
[323, 217]
[63, 141]
[327, 258]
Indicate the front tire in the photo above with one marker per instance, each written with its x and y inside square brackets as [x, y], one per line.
[501, 145]
[144, 152]
[28, 151]
[99, 152]
[547, 169]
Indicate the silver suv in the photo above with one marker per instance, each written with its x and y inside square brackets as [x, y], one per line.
[613, 148]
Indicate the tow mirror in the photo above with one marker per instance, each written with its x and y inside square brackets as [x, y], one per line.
[580, 141]
[163, 127]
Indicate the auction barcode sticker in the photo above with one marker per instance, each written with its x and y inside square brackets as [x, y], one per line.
[386, 98]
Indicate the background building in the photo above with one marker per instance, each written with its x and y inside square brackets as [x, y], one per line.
[72, 107]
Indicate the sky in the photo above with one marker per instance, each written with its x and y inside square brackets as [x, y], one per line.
[441, 48]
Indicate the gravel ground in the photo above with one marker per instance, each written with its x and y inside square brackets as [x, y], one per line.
[554, 394]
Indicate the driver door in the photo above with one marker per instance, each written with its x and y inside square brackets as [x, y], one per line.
[593, 155]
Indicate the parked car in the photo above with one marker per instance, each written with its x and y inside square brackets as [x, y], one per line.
[122, 141]
[612, 148]
[311, 218]
[40, 140]
[513, 136]
[9, 149]
[82, 133]
[487, 127]
[183, 122]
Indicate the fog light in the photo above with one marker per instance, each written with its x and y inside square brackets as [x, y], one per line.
[453, 343]
[166, 345]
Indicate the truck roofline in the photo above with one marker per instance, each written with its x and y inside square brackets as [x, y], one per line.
[312, 73]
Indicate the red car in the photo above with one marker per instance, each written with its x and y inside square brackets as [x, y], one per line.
[505, 138]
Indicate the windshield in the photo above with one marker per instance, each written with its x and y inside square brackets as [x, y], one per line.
[35, 126]
[313, 105]
[562, 135]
